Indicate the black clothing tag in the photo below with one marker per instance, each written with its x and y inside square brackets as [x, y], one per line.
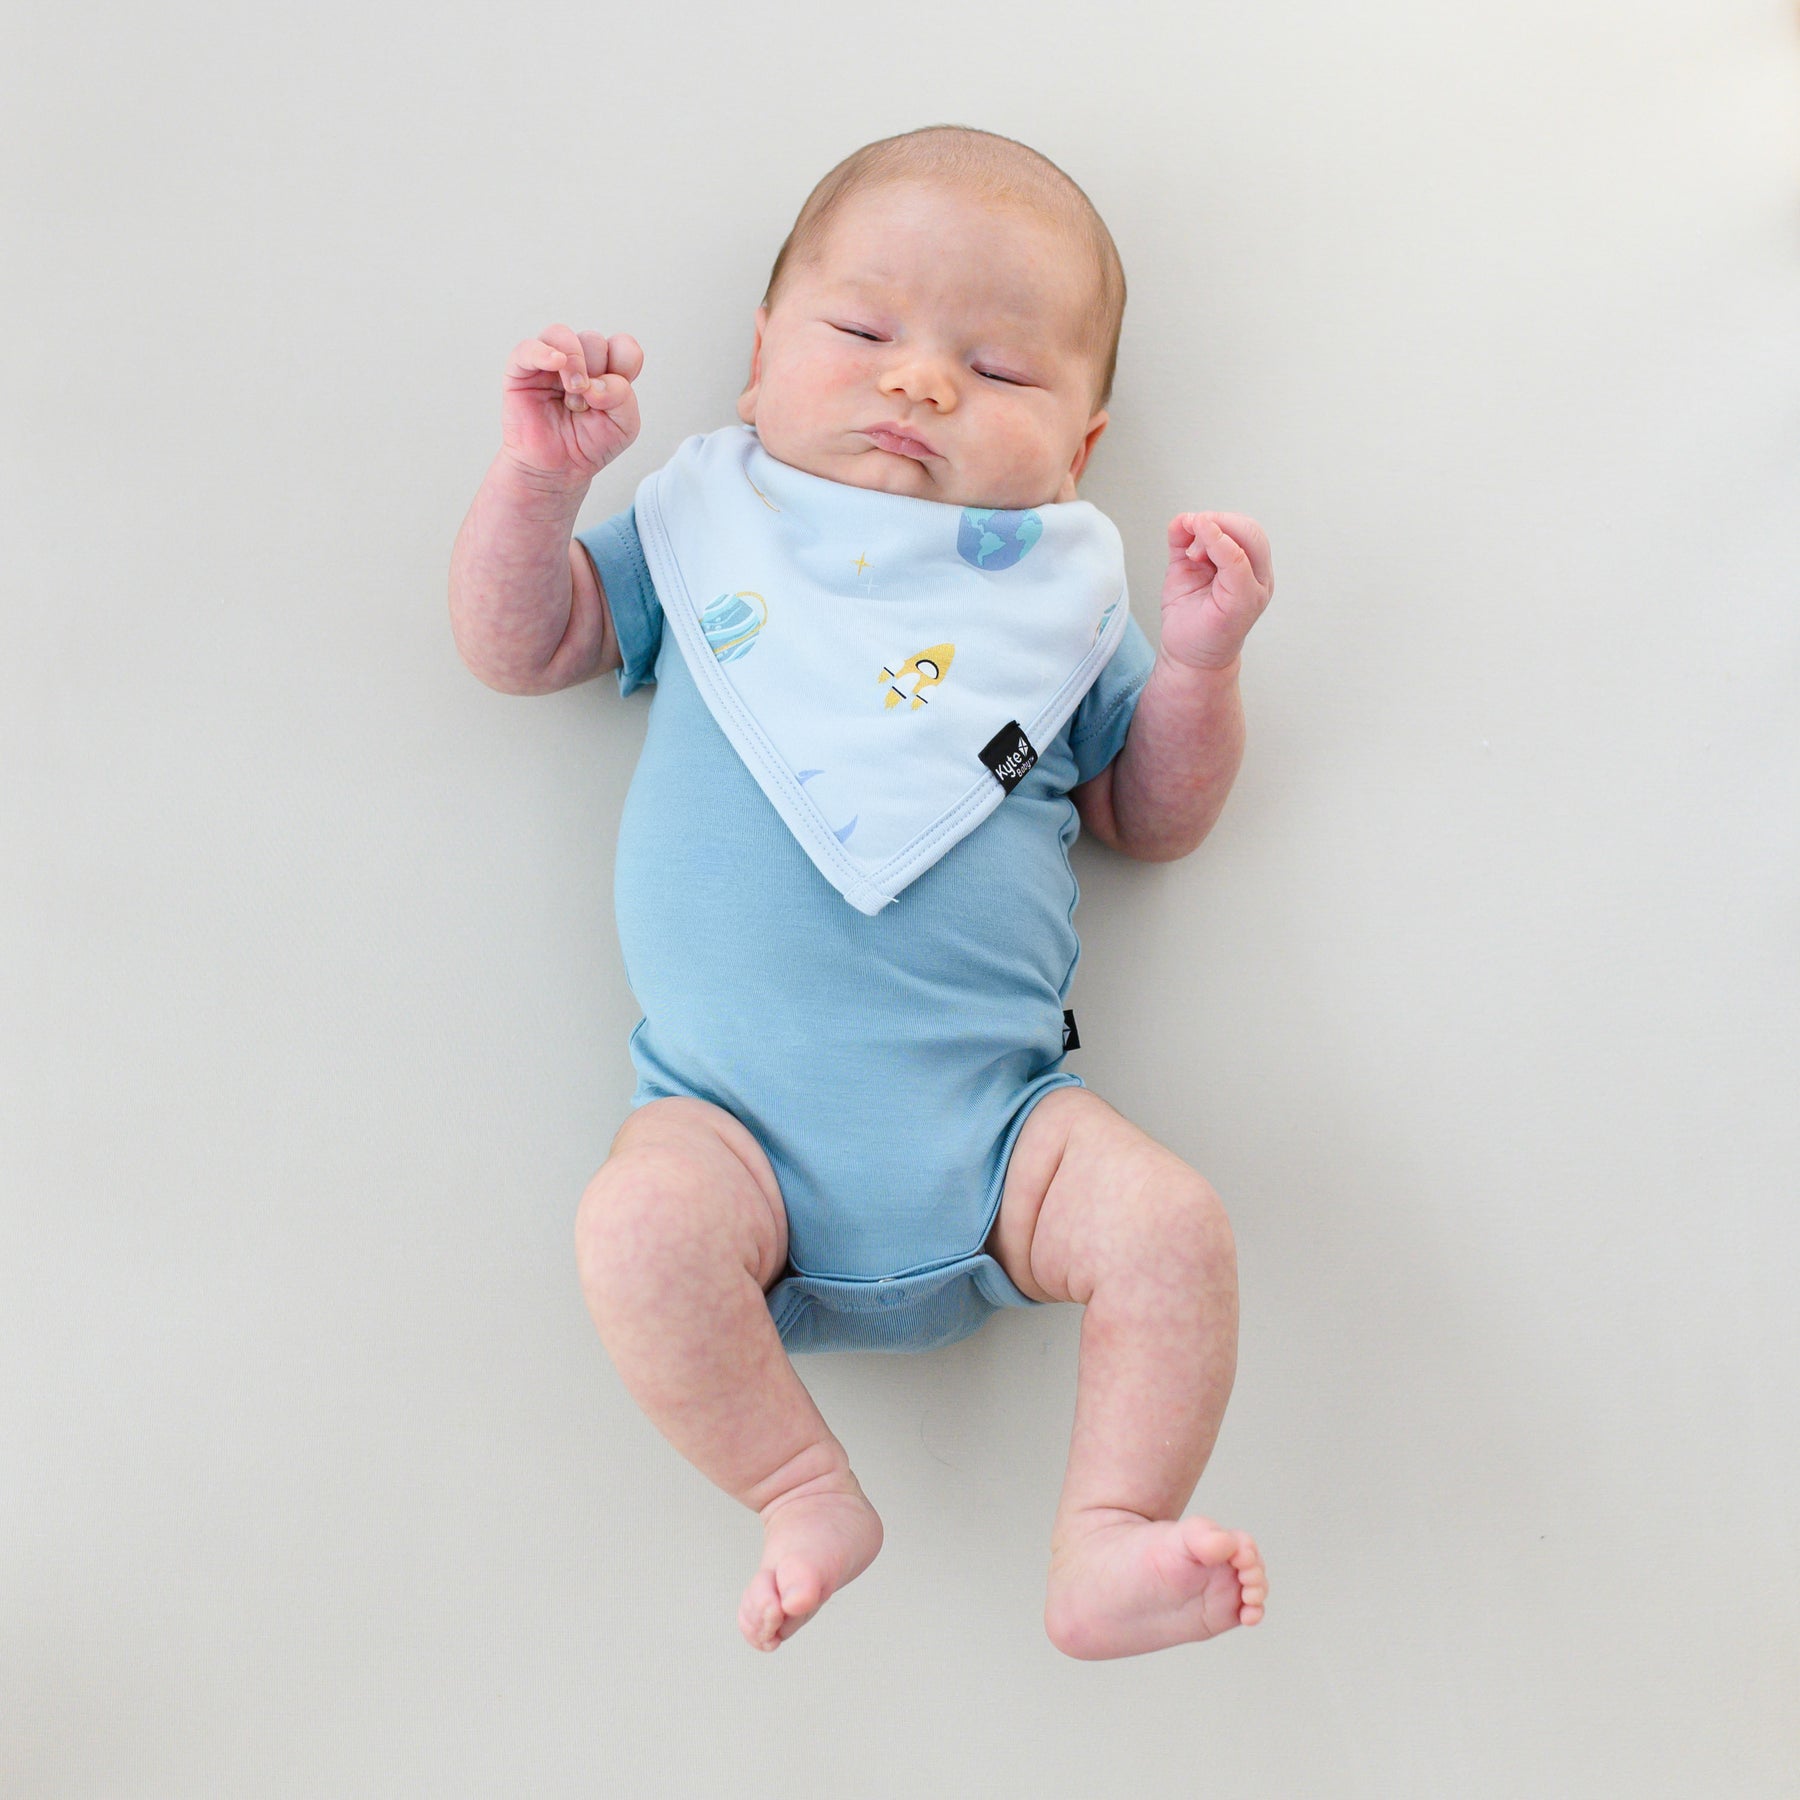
[1071, 1037]
[1008, 755]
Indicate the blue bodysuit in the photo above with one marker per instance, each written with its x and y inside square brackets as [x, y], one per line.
[884, 1063]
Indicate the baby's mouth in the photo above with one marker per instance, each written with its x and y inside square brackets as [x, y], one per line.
[897, 442]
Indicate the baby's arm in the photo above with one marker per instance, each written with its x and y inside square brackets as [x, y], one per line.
[526, 608]
[1161, 794]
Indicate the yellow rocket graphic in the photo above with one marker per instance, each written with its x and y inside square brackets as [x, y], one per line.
[930, 666]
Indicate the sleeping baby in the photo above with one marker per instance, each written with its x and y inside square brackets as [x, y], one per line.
[896, 673]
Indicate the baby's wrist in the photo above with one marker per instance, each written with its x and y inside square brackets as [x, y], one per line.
[538, 493]
[1200, 681]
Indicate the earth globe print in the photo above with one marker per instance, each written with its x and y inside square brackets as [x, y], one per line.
[993, 539]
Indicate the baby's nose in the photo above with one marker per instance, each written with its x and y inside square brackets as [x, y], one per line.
[921, 378]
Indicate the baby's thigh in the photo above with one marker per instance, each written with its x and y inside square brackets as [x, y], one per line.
[1090, 1196]
[685, 1181]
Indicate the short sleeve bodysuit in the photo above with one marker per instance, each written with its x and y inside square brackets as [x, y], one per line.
[885, 1064]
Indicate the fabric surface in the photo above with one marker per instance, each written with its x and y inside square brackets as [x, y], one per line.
[884, 1063]
[885, 666]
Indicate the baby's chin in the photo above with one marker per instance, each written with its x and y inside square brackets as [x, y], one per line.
[883, 472]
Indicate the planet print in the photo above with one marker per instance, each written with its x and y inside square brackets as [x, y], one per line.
[732, 622]
[989, 539]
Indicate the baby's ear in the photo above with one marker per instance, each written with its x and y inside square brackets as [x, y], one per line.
[746, 406]
[1095, 426]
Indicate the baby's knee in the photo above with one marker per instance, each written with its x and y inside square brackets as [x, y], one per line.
[1180, 1228]
[634, 1211]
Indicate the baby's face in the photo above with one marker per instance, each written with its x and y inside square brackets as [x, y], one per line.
[932, 347]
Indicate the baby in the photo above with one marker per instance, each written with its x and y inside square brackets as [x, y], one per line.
[853, 1127]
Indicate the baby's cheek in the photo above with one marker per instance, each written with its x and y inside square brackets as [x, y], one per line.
[835, 371]
[1028, 461]
[798, 425]
[811, 404]
[783, 419]
[826, 401]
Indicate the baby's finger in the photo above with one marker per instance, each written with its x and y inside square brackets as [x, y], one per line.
[579, 373]
[1190, 534]
[1182, 531]
[609, 391]
[1226, 551]
[1255, 543]
[560, 337]
[624, 356]
[573, 370]
[533, 357]
[593, 348]
[605, 393]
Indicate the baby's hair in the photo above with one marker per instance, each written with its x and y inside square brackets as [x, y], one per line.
[998, 169]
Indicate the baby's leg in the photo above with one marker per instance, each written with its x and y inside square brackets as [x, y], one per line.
[678, 1238]
[1096, 1212]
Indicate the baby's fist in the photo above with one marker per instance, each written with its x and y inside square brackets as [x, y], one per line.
[568, 406]
[1220, 578]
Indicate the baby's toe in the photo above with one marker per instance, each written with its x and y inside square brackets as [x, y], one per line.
[1211, 1544]
[1253, 1581]
[760, 1616]
[799, 1588]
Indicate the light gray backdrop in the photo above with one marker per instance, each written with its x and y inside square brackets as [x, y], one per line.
[1478, 1006]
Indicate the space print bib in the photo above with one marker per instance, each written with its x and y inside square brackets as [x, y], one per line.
[888, 668]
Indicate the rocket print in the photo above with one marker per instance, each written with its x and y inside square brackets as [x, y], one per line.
[929, 666]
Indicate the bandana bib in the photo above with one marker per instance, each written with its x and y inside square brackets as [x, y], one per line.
[887, 668]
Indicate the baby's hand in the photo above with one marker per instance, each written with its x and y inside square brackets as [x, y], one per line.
[1220, 579]
[568, 407]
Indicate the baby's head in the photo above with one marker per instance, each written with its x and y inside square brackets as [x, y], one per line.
[942, 322]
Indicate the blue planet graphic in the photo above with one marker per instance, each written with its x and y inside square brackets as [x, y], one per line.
[996, 540]
[732, 622]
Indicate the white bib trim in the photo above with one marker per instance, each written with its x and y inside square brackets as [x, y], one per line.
[860, 650]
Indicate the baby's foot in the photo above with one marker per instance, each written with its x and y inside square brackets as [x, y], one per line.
[1132, 1584]
[815, 1540]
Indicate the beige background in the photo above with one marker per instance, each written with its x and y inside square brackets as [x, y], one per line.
[1478, 1006]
